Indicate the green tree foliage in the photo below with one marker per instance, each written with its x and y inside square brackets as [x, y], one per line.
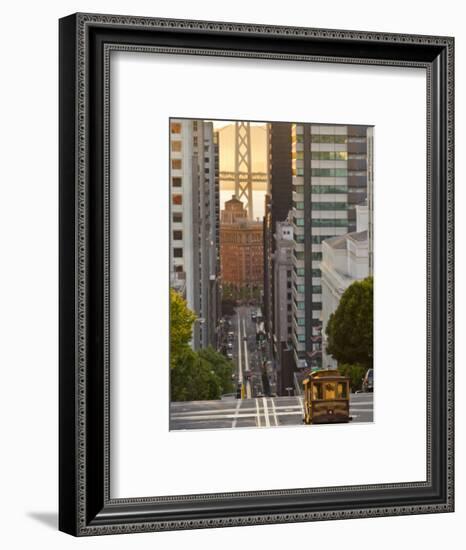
[194, 376]
[181, 326]
[350, 328]
[356, 374]
[192, 379]
[221, 366]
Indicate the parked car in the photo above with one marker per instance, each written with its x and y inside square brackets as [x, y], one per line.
[368, 382]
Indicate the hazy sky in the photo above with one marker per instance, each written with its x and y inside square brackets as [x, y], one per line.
[227, 160]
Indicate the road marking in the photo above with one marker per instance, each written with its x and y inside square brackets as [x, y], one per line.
[266, 412]
[236, 414]
[214, 411]
[227, 416]
[274, 412]
[258, 413]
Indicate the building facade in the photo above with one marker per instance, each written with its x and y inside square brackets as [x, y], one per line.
[345, 259]
[278, 203]
[194, 195]
[241, 248]
[282, 266]
[330, 178]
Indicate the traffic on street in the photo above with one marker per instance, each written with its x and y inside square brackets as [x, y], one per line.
[254, 403]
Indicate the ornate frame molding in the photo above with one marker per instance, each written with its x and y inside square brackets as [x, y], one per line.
[83, 37]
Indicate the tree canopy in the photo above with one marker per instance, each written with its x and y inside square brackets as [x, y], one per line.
[194, 375]
[181, 326]
[350, 328]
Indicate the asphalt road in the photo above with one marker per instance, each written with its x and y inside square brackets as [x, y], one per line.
[260, 412]
[246, 355]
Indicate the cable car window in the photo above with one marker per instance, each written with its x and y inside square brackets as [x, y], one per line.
[342, 393]
[330, 390]
[317, 392]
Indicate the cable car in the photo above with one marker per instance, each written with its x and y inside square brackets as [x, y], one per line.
[326, 397]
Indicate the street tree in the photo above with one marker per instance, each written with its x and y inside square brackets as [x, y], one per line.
[221, 366]
[192, 379]
[350, 328]
[181, 326]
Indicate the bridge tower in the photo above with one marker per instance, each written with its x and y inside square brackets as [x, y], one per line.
[243, 165]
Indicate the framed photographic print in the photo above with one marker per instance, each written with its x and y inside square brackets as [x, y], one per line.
[256, 274]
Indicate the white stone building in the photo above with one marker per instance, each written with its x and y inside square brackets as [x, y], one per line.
[345, 259]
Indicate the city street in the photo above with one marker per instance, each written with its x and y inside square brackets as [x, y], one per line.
[258, 412]
[247, 355]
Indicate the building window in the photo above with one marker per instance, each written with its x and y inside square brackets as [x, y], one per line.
[329, 155]
[317, 138]
[176, 146]
[177, 217]
[330, 222]
[176, 182]
[176, 127]
[317, 256]
[176, 164]
[336, 206]
[317, 305]
[301, 337]
[333, 189]
[177, 252]
[177, 199]
[177, 235]
[316, 289]
[316, 273]
[329, 172]
[318, 239]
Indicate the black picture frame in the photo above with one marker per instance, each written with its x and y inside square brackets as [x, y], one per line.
[85, 504]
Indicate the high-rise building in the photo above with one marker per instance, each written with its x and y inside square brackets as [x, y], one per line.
[278, 203]
[194, 255]
[241, 248]
[330, 167]
[282, 265]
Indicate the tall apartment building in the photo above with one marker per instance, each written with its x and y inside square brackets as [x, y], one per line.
[330, 177]
[194, 250]
[282, 265]
[278, 203]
